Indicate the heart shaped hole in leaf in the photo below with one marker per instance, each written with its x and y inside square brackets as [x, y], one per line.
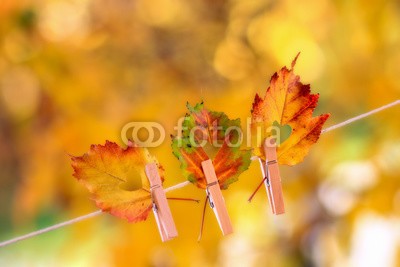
[211, 150]
[133, 180]
[281, 132]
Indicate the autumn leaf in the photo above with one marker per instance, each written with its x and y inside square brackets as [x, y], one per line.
[116, 179]
[287, 102]
[210, 135]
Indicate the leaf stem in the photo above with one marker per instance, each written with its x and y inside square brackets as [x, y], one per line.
[258, 188]
[184, 199]
[202, 219]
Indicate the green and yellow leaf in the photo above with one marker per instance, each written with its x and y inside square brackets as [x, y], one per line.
[210, 135]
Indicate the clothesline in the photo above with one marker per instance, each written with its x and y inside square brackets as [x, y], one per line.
[180, 185]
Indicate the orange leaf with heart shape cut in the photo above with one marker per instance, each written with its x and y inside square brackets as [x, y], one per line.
[116, 179]
[288, 102]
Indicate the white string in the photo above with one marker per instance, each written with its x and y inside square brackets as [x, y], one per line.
[77, 219]
[180, 185]
[177, 186]
[50, 228]
[361, 116]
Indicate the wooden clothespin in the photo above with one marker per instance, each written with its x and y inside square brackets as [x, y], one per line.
[161, 210]
[215, 198]
[273, 178]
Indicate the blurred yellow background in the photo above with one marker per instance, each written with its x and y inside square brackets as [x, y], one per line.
[73, 73]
